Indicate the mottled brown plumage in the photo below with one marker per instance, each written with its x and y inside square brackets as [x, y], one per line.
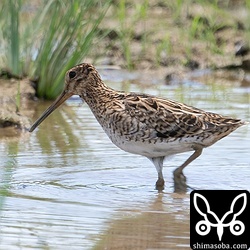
[143, 124]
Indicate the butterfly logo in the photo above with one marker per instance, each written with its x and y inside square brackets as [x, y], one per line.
[236, 227]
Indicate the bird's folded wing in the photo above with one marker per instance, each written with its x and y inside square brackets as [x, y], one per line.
[165, 117]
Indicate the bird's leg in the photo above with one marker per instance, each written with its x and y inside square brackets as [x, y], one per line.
[180, 185]
[158, 162]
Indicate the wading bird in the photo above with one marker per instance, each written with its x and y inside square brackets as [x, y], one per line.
[143, 124]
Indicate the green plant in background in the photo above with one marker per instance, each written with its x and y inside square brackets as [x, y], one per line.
[201, 27]
[18, 98]
[205, 28]
[125, 32]
[142, 14]
[56, 36]
[10, 33]
[248, 22]
[13, 36]
[72, 29]
[128, 15]
[178, 6]
[164, 47]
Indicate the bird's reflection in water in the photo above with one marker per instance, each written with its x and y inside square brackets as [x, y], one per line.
[162, 225]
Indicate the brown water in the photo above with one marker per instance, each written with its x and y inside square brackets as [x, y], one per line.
[65, 186]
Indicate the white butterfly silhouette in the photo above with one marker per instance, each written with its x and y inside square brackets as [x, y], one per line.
[203, 227]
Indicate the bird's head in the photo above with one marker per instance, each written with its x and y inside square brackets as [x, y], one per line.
[76, 81]
[79, 77]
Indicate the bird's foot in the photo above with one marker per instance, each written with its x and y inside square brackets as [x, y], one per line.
[159, 185]
[180, 181]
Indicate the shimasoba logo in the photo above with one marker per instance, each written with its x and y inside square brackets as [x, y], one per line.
[203, 227]
[219, 218]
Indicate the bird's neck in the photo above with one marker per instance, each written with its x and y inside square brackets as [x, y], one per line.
[96, 93]
[101, 98]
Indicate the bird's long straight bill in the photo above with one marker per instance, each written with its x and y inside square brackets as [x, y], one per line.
[60, 99]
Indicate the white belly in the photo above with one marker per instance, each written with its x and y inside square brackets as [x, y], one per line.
[153, 149]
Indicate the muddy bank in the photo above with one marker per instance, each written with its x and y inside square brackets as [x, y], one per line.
[176, 38]
[15, 114]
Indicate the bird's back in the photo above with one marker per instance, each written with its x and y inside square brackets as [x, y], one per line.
[134, 121]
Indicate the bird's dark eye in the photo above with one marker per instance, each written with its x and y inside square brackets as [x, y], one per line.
[72, 74]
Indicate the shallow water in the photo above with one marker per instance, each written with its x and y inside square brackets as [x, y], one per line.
[66, 185]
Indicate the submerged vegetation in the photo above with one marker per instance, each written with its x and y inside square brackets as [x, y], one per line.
[42, 39]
